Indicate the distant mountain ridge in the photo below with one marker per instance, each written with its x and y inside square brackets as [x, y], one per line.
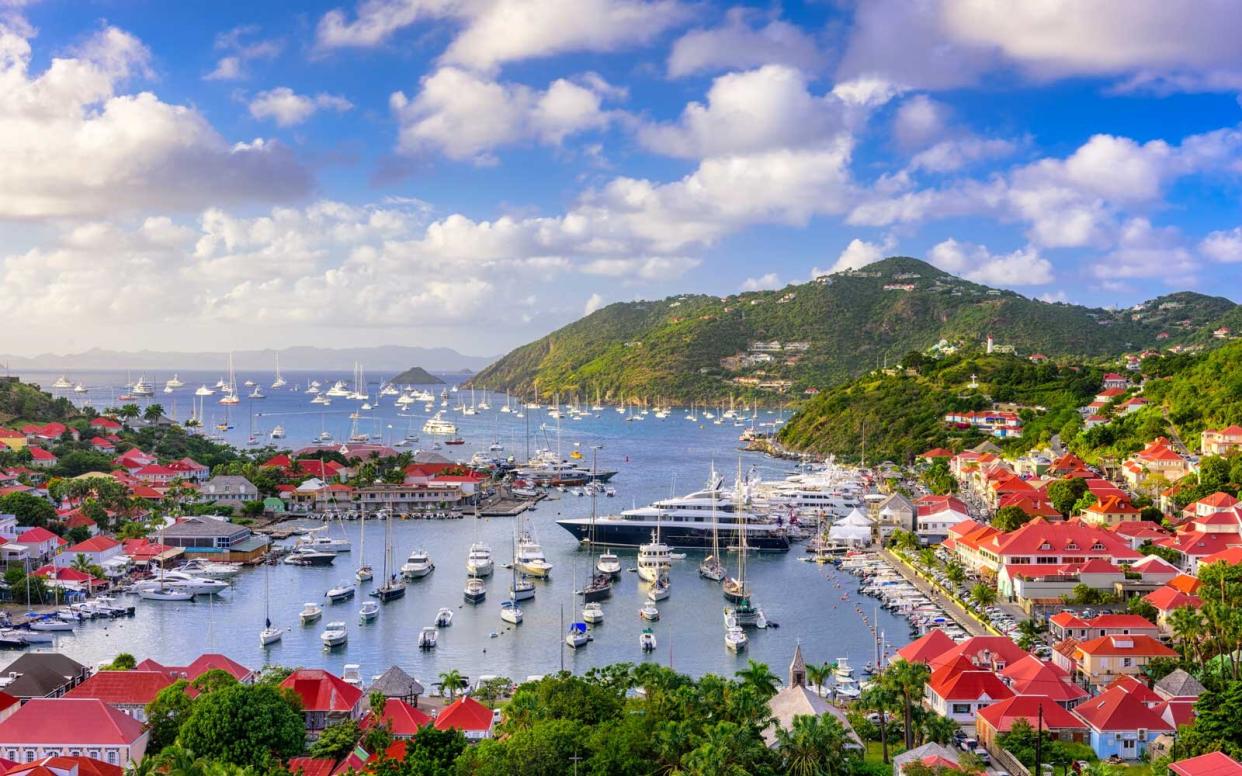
[375, 359]
[821, 333]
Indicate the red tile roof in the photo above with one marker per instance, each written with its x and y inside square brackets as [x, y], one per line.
[134, 688]
[62, 765]
[1134, 687]
[1067, 620]
[1168, 598]
[402, 718]
[968, 686]
[86, 720]
[996, 649]
[311, 766]
[926, 648]
[94, 544]
[1002, 715]
[36, 535]
[1210, 764]
[1185, 583]
[465, 713]
[1072, 536]
[1111, 621]
[323, 691]
[1117, 710]
[1131, 644]
[1231, 556]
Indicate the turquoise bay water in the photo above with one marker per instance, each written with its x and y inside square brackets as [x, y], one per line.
[817, 606]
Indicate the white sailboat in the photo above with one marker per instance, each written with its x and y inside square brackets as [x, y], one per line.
[364, 573]
[269, 634]
[230, 388]
[279, 382]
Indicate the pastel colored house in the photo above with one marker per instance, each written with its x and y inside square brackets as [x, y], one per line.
[39, 542]
[959, 690]
[1120, 724]
[1103, 659]
[74, 727]
[98, 550]
[1222, 441]
[1167, 600]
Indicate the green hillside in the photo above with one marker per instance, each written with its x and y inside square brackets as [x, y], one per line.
[897, 414]
[698, 347]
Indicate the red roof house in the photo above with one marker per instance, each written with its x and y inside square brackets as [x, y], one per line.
[326, 698]
[927, 648]
[403, 719]
[64, 766]
[1210, 764]
[469, 716]
[63, 725]
[129, 691]
[1000, 717]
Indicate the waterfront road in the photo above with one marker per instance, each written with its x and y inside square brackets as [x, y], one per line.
[950, 607]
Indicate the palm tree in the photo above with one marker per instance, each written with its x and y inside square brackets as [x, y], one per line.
[813, 746]
[1188, 629]
[982, 595]
[153, 412]
[758, 676]
[879, 698]
[1028, 634]
[818, 674]
[954, 571]
[906, 680]
[452, 682]
[83, 563]
[128, 411]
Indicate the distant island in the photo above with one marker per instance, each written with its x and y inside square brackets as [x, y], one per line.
[416, 375]
[376, 359]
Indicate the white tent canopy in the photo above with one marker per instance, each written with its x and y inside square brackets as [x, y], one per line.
[854, 528]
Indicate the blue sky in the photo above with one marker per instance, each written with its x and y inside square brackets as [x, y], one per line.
[474, 173]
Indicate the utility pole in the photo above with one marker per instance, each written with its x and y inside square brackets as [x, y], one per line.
[1039, 728]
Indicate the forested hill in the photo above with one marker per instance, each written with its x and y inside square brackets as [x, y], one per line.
[896, 414]
[821, 333]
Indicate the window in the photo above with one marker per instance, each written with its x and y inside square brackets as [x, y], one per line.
[1129, 743]
[112, 756]
[961, 708]
[1127, 662]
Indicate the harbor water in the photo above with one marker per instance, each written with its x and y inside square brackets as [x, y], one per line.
[817, 606]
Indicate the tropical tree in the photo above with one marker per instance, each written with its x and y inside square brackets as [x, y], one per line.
[122, 662]
[165, 715]
[880, 699]
[983, 595]
[128, 411]
[245, 725]
[814, 746]
[153, 412]
[955, 572]
[906, 680]
[757, 676]
[1187, 624]
[452, 682]
[493, 690]
[935, 728]
[1028, 634]
[336, 740]
[82, 562]
[818, 673]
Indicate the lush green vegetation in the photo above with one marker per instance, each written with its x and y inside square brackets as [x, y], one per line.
[673, 348]
[899, 414]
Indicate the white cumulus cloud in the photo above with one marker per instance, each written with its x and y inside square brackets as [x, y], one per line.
[287, 108]
[1023, 267]
[71, 144]
[1223, 246]
[762, 283]
[739, 44]
[466, 116]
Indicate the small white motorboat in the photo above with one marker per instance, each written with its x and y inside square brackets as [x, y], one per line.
[165, 593]
[334, 635]
[444, 617]
[522, 589]
[364, 574]
[311, 611]
[418, 565]
[50, 624]
[510, 612]
[342, 592]
[647, 640]
[427, 638]
[735, 639]
[649, 612]
[608, 563]
[659, 590]
[593, 613]
[479, 560]
[369, 611]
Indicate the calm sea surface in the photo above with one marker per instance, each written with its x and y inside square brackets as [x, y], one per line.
[817, 606]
